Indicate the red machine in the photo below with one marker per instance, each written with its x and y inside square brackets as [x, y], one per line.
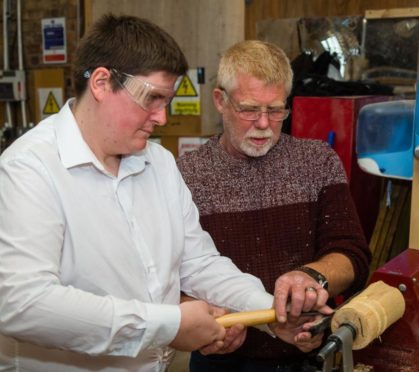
[398, 347]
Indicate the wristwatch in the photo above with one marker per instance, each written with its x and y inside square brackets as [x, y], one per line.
[318, 277]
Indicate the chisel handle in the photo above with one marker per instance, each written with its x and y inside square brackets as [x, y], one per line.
[247, 318]
[257, 317]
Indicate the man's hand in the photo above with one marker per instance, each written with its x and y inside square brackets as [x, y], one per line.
[295, 332]
[223, 342]
[198, 327]
[234, 338]
[298, 292]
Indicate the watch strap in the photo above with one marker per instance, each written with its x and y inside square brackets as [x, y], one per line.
[318, 277]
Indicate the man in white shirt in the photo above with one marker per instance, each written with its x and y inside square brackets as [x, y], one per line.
[98, 232]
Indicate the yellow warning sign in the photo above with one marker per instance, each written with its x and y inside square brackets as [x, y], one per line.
[187, 108]
[51, 105]
[186, 100]
[186, 88]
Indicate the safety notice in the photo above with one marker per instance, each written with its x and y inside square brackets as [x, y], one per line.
[187, 100]
[54, 40]
[50, 101]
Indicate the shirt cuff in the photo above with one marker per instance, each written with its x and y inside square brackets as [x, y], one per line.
[140, 326]
[163, 322]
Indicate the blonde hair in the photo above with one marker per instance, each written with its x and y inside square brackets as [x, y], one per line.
[262, 60]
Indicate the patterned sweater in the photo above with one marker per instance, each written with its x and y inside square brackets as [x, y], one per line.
[274, 213]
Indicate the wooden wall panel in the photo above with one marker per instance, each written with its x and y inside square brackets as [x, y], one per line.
[257, 10]
[203, 29]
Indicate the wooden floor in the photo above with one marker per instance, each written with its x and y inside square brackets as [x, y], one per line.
[180, 364]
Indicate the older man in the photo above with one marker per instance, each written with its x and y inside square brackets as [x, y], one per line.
[279, 207]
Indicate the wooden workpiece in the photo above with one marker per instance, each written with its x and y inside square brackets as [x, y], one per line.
[371, 312]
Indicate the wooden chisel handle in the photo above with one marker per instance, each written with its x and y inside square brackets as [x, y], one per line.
[248, 318]
[257, 317]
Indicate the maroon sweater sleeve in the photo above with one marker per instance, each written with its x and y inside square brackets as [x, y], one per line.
[338, 230]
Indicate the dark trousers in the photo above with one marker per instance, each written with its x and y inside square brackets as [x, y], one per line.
[233, 363]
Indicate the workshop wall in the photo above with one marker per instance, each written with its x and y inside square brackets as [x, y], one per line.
[214, 26]
[32, 13]
[257, 10]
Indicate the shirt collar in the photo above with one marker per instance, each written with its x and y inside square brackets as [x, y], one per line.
[74, 151]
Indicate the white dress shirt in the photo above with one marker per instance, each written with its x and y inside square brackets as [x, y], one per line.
[92, 265]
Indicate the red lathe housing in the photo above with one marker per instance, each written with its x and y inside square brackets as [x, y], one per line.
[398, 347]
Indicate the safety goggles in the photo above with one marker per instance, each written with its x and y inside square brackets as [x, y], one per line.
[148, 96]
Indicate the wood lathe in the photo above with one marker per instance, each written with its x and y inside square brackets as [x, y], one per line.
[361, 321]
[354, 325]
[397, 348]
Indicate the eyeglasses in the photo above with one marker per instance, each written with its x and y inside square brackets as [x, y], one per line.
[255, 112]
[148, 96]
